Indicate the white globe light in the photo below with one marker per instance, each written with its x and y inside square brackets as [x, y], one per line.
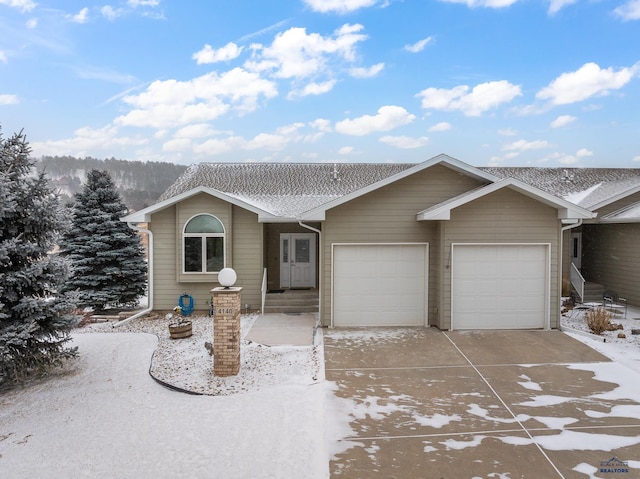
[227, 277]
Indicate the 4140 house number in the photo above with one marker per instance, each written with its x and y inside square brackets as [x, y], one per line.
[225, 311]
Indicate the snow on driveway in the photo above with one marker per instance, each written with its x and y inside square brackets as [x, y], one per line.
[106, 417]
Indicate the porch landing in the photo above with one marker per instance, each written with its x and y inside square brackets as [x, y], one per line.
[284, 329]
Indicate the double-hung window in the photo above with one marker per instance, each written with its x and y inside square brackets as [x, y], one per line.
[203, 239]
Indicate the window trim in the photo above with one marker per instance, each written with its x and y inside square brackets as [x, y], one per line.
[203, 245]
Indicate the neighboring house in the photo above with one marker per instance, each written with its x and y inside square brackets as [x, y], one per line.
[605, 250]
[438, 243]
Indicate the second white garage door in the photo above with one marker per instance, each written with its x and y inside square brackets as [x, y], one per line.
[379, 284]
[499, 286]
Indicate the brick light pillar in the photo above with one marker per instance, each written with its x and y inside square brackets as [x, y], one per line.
[226, 331]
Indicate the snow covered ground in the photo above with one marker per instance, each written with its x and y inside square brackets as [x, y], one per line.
[104, 416]
[622, 350]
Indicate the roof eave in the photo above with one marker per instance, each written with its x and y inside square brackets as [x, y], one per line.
[319, 213]
[566, 210]
[144, 215]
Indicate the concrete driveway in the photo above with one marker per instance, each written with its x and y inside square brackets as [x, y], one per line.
[491, 404]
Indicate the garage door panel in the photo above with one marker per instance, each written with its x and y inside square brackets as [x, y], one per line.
[379, 285]
[499, 286]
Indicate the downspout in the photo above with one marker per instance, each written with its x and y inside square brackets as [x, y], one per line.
[149, 307]
[321, 285]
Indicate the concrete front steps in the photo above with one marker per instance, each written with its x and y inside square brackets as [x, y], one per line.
[292, 301]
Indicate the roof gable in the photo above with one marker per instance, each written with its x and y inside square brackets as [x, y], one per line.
[566, 209]
[144, 215]
[319, 213]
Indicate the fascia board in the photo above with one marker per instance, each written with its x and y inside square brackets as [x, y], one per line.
[614, 216]
[565, 209]
[144, 215]
[615, 198]
[319, 213]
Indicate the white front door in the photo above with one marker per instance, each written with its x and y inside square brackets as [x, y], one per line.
[297, 260]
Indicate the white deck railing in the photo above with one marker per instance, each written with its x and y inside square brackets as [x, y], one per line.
[577, 280]
[263, 290]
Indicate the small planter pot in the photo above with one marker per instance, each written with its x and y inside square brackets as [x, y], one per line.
[180, 330]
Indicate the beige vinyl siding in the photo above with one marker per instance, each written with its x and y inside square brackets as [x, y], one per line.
[245, 256]
[388, 215]
[504, 216]
[611, 257]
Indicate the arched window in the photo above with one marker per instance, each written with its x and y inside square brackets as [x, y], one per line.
[203, 245]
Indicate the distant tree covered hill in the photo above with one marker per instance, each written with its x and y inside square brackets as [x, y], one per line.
[140, 184]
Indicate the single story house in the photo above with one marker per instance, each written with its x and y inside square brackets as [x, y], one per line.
[438, 243]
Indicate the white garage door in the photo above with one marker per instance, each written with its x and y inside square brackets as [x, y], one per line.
[379, 284]
[499, 286]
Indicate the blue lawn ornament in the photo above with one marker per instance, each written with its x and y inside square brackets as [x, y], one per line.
[187, 308]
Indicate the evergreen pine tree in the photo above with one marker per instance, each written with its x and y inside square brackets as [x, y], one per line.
[35, 318]
[106, 256]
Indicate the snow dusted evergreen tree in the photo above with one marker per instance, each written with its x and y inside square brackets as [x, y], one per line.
[106, 256]
[35, 319]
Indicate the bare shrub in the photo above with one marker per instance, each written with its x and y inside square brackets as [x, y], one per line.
[598, 320]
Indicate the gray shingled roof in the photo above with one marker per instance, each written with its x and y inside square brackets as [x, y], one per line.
[284, 189]
[573, 184]
[288, 189]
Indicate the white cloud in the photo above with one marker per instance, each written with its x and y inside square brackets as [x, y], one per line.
[507, 132]
[197, 130]
[339, 6]
[388, 118]
[361, 72]
[9, 99]
[481, 98]
[629, 10]
[296, 54]
[636, 158]
[405, 142]
[581, 153]
[89, 141]
[442, 126]
[419, 45]
[143, 3]
[3, 57]
[171, 103]
[32, 23]
[313, 89]
[210, 55]
[523, 145]
[345, 150]
[110, 13]
[81, 17]
[322, 125]
[267, 141]
[484, 3]
[556, 5]
[23, 5]
[562, 120]
[589, 80]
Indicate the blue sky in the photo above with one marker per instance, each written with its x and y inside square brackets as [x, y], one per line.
[490, 82]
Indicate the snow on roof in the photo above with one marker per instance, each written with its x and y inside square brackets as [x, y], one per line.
[284, 189]
[288, 189]
[586, 187]
[631, 212]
